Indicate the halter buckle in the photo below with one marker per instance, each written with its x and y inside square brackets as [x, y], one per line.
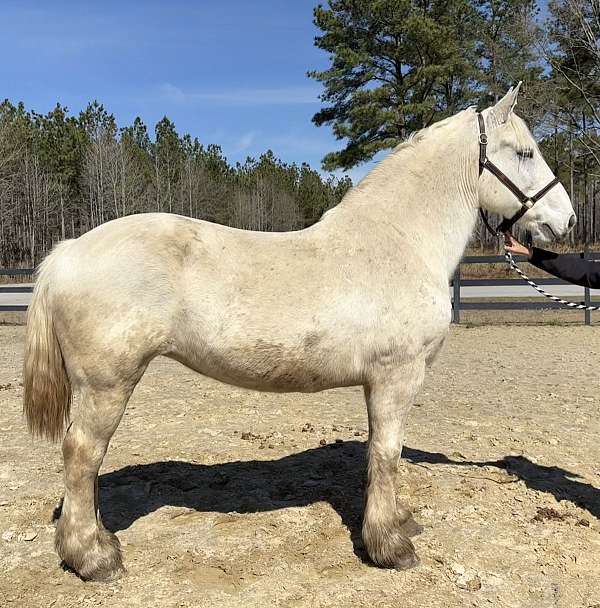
[528, 203]
[483, 139]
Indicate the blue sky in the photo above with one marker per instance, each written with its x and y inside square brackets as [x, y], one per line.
[230, 72]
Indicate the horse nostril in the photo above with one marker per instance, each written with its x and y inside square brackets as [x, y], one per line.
[572, 221]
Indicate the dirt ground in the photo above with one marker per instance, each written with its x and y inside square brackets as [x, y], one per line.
[224, 497]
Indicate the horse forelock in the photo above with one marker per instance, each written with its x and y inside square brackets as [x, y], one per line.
[524, 138]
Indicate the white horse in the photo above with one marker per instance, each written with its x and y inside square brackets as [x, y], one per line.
[360, 298]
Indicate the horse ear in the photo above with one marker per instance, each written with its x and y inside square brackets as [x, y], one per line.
[503, 109]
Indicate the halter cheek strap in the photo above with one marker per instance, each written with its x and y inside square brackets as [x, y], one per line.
[527, 202]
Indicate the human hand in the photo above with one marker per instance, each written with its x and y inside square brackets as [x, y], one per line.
[513, 246]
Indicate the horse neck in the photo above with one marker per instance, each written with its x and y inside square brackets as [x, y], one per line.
[427, 193]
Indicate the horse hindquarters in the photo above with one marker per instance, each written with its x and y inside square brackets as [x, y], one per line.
[103, 352]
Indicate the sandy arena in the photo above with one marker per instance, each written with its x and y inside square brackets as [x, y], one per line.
[223, 497]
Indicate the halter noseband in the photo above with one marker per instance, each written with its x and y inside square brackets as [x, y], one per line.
[527, 202]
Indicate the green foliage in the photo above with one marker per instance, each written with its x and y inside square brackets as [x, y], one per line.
[396, 66]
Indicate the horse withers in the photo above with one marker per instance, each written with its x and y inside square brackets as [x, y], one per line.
[360, 298]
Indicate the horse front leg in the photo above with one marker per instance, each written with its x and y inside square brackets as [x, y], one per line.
[387, 524]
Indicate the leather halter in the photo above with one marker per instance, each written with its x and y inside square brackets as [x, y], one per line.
[527, 202]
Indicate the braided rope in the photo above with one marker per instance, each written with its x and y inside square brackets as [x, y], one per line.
[572, 305]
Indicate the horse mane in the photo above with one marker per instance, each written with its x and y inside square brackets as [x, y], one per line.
[409, 145]
[525, 142]
[417, 137]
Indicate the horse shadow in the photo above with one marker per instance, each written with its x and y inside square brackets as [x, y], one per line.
[562, 484]
[333, 473]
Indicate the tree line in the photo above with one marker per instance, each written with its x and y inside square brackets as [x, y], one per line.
[61, 175]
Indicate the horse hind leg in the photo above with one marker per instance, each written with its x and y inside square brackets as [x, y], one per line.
[81, 540]
[387, 524]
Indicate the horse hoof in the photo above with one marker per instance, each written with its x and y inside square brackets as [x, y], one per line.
[392, 550]
[105, 576]
[107, 569]
[411, 528]
[104, 561]
[94, 559]
[406, 562]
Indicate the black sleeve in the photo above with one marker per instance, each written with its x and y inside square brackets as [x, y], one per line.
[569, 267]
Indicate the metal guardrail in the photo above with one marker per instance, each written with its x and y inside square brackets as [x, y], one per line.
[545, 304]
[15, 272]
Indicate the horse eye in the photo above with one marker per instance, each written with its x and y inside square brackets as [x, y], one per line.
[525, 153]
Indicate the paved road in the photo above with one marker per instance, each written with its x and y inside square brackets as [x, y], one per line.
[14, 299]
[502, 291]
[525, 291]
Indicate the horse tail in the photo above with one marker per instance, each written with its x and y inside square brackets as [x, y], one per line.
[47, 389]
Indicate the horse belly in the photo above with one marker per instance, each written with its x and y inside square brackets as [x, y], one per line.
[269, 365]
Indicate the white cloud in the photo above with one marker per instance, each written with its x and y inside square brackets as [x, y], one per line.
[307, 143]
[242, 97]
[244, 142]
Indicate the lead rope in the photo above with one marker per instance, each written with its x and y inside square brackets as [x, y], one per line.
[574, 305]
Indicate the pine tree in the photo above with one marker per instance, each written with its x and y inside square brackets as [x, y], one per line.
[505, 44]
[60, 142]
[396, 66]
[168, 158]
